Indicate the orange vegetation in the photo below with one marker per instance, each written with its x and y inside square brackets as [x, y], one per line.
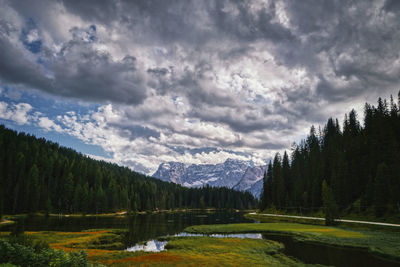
[94, 232]
[161, 257]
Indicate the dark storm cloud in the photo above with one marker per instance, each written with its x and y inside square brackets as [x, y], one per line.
[15, 67]
[82, 71]
[392, 5]
[199, 95]
[78, 70]
[348, 50]
[248, 25]
[359, 38]
[192, 22]
[132, 131]
[240, 120]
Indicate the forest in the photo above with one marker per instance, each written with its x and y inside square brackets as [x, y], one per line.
[37, 175]
[354, 168]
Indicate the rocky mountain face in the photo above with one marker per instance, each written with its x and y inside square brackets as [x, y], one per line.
[252, 180]
[237, 174]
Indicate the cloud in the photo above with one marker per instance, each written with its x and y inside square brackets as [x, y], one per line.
[75, 69]
[81, 71]
[173, 78]
[15, 65]
[18, 112]
[49, 125]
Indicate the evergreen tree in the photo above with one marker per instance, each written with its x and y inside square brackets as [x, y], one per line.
[330, 208]
[263, 197]
[33, 184]
[381, 189]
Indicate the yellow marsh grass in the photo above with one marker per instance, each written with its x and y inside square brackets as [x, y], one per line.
[276, 227]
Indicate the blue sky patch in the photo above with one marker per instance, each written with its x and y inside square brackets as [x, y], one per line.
[30, 37]
[50, 108]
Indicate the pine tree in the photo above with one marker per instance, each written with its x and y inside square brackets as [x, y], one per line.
[34, 190]
[330, 208]
[382, 189]
[263, 197]
[286, 179]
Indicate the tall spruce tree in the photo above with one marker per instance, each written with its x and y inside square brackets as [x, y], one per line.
[330, 207]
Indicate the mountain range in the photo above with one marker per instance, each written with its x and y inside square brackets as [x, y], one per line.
[235, 174]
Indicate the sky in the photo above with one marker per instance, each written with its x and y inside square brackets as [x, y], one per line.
[139, 83]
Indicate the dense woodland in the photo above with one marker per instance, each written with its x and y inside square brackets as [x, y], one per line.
[39, 175]
[353, 168]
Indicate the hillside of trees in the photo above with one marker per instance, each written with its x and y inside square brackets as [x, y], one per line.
[39, 175]
[356, 168]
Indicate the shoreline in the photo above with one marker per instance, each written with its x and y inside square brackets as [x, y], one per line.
[11, 218]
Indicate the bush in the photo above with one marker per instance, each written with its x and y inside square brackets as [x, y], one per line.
[39, 255]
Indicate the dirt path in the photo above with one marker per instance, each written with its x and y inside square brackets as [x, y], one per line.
[323, 219]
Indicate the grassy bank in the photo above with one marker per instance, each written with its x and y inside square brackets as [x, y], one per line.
[380, 243]
[207, 251]
[348, 214]
[104, 246]
[121, 213]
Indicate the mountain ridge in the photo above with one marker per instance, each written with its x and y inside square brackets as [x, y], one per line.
[236, 174]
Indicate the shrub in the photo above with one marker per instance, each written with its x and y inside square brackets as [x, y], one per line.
[39, 255]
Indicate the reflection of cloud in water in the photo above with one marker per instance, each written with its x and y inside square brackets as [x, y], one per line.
[149, 246]
[252, 236]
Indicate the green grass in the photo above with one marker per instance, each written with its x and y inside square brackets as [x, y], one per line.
[381, 243]
[208, 251]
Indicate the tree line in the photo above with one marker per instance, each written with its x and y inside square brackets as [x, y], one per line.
[39, 175]
[353, 168]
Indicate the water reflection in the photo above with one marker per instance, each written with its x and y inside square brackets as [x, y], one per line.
[251, 236]
[149, 246]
